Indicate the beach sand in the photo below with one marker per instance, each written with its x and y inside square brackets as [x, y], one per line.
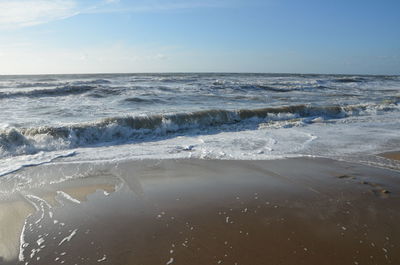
[292, 211]
[392, 155]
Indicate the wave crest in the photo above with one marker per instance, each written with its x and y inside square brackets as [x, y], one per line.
[55, 92]
[116, 130]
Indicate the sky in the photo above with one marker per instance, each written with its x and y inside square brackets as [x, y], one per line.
[263, 36]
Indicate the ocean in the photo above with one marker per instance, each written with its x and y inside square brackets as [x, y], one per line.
[115, 117]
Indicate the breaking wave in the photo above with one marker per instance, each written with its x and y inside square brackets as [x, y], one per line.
[280, 87]
[116, 130]
[97, 91]
[37, 84]
[58, 91]
[349, 80]
[54, 82]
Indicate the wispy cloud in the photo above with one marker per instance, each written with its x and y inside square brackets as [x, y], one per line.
[24, 13]
[157, 5]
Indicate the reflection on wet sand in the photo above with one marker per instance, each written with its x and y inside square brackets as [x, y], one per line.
[12, 219]
[28, 209]
[297, 211]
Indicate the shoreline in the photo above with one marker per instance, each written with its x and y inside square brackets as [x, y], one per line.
[395, 155]
[289, 211]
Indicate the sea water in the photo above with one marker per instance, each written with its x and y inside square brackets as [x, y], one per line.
[112, 117]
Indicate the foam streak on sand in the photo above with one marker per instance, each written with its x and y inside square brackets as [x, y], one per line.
[22, 243]
[104, 258]
[40, 205]
[68, 238]
[67, 197]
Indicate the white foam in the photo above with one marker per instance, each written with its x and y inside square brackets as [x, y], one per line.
[364, 120]
[13, 164]
[67, 197]
[22, 242]
[40, 205]
[249, 144]
[40, 241]
[68, 238]
[339, 139]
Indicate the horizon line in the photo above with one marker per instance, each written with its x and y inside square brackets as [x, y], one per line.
[200, 72]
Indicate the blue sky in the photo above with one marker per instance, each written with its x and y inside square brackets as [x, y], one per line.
[92, 36]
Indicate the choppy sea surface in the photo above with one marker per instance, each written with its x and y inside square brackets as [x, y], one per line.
[111, 117]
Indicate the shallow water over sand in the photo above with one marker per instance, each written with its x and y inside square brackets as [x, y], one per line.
[303, 211]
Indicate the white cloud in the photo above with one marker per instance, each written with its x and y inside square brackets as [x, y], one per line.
[22, 13]
[151, 6]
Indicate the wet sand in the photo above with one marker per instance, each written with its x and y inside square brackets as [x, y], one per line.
[392, 155]
[293, 211]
